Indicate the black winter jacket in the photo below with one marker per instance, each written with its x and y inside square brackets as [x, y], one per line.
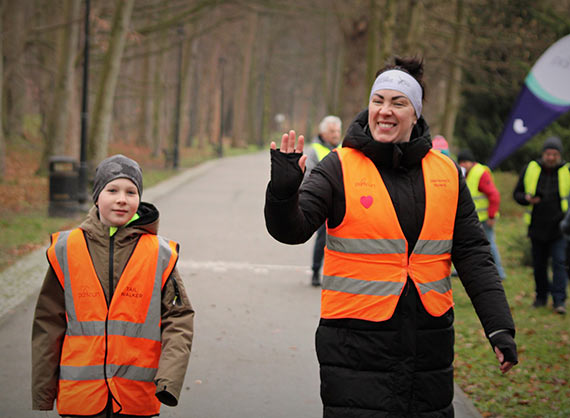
[547, 214]
[402, 366]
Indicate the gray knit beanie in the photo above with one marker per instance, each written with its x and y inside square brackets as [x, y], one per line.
[116, 167]
[553, 142]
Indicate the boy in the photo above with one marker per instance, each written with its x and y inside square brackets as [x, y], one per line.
[113, 325]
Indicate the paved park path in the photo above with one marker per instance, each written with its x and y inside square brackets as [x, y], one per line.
[256, 314]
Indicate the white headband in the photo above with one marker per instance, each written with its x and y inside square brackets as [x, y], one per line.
[403, 82]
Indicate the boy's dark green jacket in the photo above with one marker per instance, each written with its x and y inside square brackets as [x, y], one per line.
[50, 324]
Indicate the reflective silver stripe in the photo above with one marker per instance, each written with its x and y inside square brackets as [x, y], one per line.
[141, 374]
[131, 329]
[433, 247]
[479, 197]
[81, 372]
[439, 286]
[149, 329]
[91, 328]
[366, 246]
[61, 255]
[361, 287]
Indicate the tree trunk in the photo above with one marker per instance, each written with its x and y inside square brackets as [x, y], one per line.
[354, 97]
[193, 105]
[2, 139]
[217, 90]
[264, 90]
[414, 27]
[158, 98]
[145, 122]
[103, 109]
[58, 115]
[241, 99]
[209, 94]
[15, 35]
[387, 24]
[452, 94]
[372, 52]
[331, 54]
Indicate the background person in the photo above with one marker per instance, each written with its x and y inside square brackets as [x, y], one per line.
[385, 337]
[113, 325]
[328, 138]
[544, 187]
[486, 197]
[440, 144]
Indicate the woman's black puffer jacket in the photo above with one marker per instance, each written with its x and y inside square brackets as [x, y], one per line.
[401, 367]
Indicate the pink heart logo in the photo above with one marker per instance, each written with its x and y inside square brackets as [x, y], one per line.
[366, 201]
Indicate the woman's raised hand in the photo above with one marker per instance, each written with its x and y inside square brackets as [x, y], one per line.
[288, 146]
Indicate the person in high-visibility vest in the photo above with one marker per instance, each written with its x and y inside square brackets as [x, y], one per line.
[397, 214]
[486, 197]
[113, 325]
[543, 188]
[328, 139]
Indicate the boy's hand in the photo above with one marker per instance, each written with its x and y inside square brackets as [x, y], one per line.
[166, 398]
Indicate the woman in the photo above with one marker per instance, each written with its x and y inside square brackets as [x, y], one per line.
[397, 215]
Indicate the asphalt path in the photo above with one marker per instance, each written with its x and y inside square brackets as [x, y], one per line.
[256, 313]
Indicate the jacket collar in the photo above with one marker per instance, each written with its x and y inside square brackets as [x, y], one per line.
[147, 223]
[403, 155]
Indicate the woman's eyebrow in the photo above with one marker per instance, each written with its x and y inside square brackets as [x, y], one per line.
[403, 96]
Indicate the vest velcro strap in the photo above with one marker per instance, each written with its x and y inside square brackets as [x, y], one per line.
[439, 286]
[433, 247]
[366, 246]
[85, 328]
[361, 287]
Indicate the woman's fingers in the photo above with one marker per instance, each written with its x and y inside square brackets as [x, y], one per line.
[291, 143]
[288, 143]
[284, 142]
[303, 163]
[300, 144]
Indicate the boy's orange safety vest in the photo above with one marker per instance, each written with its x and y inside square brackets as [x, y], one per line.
[366, 257]
[110, 350]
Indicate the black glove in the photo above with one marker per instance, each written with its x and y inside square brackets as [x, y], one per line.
[505, 342]
[166, 398]
[286, 175]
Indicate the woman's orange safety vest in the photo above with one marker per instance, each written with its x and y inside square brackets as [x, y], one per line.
[110, 349]
[366, 257]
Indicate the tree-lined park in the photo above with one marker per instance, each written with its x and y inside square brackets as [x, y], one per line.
[173, 83]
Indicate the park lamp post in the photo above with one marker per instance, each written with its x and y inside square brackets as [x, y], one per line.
[176, 133]
[82, 175]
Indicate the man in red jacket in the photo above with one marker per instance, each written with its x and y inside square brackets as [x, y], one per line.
[486, 198]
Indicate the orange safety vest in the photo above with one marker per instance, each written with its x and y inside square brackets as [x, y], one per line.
[366, 257]
[112, 348]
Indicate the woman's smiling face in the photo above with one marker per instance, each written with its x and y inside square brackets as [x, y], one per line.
[391, 116]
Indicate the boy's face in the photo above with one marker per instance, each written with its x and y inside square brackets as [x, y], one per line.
[118, 202]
